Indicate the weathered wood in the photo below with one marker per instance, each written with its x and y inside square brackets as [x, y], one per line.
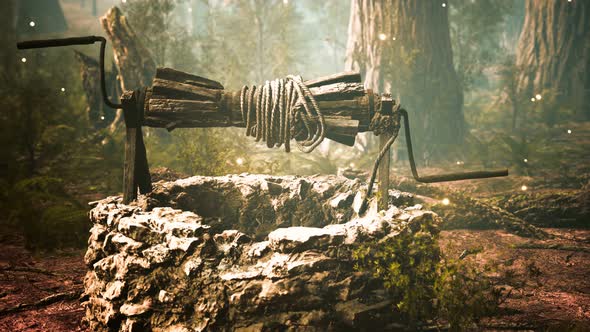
[206, 122]
[129, 188]
[170, 74]
[344, 77]
[384, 173]
[356, 108]
[143, 179]
[167, 107]
[383, 203]
[134, 62]
[164, 89]
[340, 126]
[346, 140]
[338, 91]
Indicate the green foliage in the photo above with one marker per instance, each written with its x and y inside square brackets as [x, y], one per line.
[407, 266]
[423, 286]
[463, 294]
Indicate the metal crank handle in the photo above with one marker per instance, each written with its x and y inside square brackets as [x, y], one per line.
[45, 43]
[443, 177]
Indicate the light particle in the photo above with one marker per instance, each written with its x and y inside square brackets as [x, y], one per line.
[446, 201]
[525, 160]
[63, 89]
[382, 36]
[524, 188]
[240, 161]
[538, 96]
[32, 23]
[102, 117]
[533, 99]
[569, 131]
[444, 4]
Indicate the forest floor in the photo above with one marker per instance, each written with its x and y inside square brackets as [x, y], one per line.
[546, 281]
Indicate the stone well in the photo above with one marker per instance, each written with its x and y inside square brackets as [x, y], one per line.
[240, 253]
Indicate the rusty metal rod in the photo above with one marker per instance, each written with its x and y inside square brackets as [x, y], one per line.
[442, 177]
[44, 43]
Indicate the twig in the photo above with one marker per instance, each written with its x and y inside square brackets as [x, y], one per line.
[27, 269]
[43, 302]
[552, 246]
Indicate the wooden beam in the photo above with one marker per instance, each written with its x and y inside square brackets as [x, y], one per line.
[383, 204]
[143, 179]
[129, 103]
[170, 74]
[344, 77]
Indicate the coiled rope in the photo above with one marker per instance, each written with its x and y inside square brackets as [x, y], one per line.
[273, 113]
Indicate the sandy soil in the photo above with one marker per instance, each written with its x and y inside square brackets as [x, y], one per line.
[549, 288]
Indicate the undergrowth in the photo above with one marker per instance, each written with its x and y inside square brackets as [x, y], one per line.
[47, 216]
[427, 287]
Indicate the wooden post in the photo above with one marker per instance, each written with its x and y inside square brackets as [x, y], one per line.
[136, 174]
[129, 103]
[386, 109]
[143, 179]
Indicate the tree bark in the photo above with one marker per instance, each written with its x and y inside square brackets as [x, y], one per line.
[404, 47]
[134, 62]
[554, 52]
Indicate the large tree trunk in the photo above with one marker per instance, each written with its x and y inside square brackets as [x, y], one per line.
[404, 47]
[554, 52]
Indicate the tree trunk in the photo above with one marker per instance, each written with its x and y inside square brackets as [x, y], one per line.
[404, 47]
[135, 65]
[554, 52]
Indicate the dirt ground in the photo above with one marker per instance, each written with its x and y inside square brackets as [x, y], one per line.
[549, 286]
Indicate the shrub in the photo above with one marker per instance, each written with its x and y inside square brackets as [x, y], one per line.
[425, 287]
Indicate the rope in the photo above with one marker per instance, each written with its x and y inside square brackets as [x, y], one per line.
[273, 114]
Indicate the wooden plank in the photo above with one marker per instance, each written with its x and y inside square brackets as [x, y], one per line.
[163, 89]
[129, 103]
[206, 122]
[343, 77]
[338, 91]
[356, 108]
[170, 74]
[143, 178]
[129, 184]
[341, 126]
[162, 106]
[342, 139]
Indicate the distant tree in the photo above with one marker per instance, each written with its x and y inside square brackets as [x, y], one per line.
[554, 52]
[476, 36]
[404, 47]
